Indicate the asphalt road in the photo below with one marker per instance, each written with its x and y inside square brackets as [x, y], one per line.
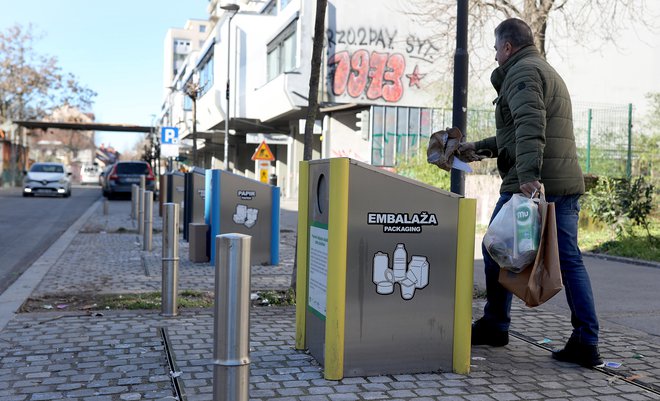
[626, 294]
[28, 226]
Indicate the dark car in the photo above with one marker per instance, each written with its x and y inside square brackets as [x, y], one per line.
[119, 178]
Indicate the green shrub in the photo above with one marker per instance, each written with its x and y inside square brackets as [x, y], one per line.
[417, 168]
[621, 203]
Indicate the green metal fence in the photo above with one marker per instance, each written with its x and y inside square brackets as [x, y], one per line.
[603, 134]
[606, 142]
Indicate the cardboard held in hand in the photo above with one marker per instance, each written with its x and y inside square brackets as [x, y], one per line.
[542, 280]
[442, 146]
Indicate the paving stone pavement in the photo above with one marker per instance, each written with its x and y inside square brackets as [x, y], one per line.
[119, 355]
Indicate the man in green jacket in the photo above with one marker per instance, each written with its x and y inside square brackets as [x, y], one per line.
[534, 144]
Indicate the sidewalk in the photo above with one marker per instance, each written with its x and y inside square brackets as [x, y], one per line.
[121, 355]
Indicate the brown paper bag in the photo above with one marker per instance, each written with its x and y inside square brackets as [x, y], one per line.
[442, 146]
[541, 281]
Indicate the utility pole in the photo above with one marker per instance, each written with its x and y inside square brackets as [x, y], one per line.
[459, 115]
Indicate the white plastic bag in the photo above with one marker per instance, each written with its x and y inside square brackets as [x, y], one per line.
[512, 239]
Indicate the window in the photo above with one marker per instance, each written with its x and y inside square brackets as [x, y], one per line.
[282, 52]
[270, 9]
[206, 72]
[398, 132]
[284, 3]
[202, 28]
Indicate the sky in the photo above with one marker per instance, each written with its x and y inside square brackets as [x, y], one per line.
[116, 49]
[113, 47]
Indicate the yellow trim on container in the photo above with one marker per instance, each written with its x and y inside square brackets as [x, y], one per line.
[337, 242]
[467, 218]
[301, 253]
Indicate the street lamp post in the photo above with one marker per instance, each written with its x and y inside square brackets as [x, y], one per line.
[233, 8]
[193, 90]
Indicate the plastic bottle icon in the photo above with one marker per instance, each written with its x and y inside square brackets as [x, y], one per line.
[400, 263]
[383, 276]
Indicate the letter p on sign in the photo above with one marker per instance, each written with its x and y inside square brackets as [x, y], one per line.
[169, 135]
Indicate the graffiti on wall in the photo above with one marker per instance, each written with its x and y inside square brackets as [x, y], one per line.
[377, 64]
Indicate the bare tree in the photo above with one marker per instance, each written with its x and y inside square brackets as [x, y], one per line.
[584, 23]
[69, 141]
[31, 85]
[315, 76]
[312, 107]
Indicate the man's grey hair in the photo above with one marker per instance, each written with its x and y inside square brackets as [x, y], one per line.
[515, 31]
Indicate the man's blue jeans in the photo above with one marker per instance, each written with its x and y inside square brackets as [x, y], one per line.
[577, 286]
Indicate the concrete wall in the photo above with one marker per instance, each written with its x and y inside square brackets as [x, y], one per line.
[343, 140]
[486, 190]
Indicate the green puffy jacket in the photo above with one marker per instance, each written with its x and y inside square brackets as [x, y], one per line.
[534, 120]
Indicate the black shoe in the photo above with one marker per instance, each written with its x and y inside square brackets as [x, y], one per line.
[582, 354]
[485, 334]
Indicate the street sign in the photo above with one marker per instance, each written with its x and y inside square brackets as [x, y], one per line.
[264, 170]
[263, 153]
[263, 176]
[169, 136]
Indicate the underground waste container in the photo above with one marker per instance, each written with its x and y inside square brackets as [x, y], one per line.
[193, 199]
[385, 271]
[238, 204]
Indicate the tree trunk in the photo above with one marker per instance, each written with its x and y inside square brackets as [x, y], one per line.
[315, 75]
[313, 99]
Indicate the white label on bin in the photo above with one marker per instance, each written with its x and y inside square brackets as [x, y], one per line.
[411, 275]
[245, 215]
[318, 269]
[402, 222]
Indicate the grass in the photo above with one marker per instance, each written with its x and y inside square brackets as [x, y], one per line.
[597, 238]
[145, 301]
[600, 239]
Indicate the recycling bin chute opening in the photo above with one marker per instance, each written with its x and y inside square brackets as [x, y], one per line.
[237, 204]
[385, 270]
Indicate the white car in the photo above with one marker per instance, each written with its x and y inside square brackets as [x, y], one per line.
[48, 179]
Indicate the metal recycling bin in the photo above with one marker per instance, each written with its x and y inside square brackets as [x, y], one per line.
[385, 270]
[237, 204]
[194, 193]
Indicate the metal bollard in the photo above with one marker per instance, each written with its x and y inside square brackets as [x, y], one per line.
[170, 259]
[140, 208]
[134, 199]
[148, 220]
[105, 207]
[231, 330]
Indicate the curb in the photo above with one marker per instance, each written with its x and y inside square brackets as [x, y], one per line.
[622, 259]
[20, 290]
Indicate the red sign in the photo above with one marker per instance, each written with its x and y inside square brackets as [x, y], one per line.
[263, 153]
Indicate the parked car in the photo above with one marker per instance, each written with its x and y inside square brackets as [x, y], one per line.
[103, 174]
[89, 173]
[118, 178]
[47, 179]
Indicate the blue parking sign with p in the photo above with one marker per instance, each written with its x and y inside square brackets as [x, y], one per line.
[169, 135]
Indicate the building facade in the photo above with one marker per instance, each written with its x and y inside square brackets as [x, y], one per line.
[376, 95]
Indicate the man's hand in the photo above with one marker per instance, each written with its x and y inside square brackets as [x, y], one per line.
[529, 188]
[467, 153]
